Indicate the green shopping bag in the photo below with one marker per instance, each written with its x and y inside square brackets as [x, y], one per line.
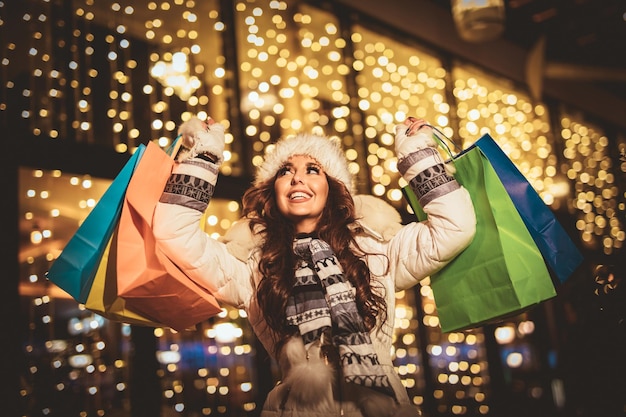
[502, 272]
[559, 252]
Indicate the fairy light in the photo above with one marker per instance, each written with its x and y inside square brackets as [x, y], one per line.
[597, 201]
[284, 89]
[392, 76]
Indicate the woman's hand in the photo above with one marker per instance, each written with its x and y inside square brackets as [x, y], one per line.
[202, 138]
[413, 135]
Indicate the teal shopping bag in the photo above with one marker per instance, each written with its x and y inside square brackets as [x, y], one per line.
[502, 272]
[75, 268]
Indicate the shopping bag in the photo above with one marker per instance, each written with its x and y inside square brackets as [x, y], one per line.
[558, 250]
[103, 298]
[75, 268]
[150, 283]
[502, 272]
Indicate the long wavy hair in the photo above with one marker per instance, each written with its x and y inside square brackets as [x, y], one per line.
[277, 262]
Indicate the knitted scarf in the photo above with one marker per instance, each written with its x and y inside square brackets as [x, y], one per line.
[323, 300]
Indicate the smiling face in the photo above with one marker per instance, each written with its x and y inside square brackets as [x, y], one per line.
[301, 191]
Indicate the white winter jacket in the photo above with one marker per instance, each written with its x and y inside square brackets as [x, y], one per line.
[407, 253]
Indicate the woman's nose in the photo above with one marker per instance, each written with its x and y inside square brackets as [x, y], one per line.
[297, 178]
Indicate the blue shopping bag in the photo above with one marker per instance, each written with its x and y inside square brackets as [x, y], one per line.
[558, 250]
[75, 268]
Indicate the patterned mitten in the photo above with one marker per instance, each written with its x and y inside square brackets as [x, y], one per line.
[420, 163]
[202, 139]
[193, 178]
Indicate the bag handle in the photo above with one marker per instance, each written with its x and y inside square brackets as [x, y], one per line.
[173, 149]
[437, 133]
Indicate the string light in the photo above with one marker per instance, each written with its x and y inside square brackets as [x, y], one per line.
[294, 74]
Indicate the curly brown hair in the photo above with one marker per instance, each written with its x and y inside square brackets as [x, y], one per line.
[278, 262]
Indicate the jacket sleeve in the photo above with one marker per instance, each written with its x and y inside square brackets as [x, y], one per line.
[177, 232]
[420, 249]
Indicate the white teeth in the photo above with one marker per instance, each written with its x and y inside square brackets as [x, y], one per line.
[297, 195]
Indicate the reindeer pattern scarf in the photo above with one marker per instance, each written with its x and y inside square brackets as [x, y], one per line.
[323, 300]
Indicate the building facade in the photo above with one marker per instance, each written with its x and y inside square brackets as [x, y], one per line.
[85, 82]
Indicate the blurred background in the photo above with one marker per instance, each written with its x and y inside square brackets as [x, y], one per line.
[85, 82]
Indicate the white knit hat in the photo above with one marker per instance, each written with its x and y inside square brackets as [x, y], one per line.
[324, 150]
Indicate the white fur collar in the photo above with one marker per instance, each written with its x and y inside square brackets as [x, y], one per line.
[377, 217]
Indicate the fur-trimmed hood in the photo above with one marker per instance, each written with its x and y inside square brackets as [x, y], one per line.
[376, 217]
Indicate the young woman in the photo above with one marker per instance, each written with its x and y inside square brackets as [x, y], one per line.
[314, 266]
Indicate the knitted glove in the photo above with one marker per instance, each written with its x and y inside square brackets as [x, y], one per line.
[412, 136]
[420, 163]
[202, 139]
[194, 177]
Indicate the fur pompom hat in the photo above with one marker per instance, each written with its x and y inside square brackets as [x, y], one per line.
[326, 151]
